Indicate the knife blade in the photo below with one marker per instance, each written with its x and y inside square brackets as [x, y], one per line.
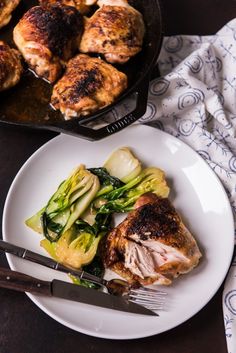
[24, 283]
[45, 261]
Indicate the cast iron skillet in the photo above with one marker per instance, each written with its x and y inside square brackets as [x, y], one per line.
[27, 104]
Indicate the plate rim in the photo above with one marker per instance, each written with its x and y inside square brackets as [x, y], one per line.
[93, 333]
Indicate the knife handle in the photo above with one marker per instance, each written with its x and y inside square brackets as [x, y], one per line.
[23, 283]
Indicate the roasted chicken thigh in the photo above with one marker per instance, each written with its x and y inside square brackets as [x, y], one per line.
[82, 5]
[88, 84]
[48, 37]
[10, 66]
[152, 245]
[6, 8]
[115, 30]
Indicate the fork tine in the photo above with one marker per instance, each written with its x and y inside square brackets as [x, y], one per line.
[152, 299]
[148, 295]
[149, 299]
[148, 290]
[155, 306]
[146, 301]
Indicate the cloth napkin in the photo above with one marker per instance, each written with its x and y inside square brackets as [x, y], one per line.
[195, 100]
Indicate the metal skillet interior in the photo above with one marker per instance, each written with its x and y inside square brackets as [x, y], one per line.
[28, 103]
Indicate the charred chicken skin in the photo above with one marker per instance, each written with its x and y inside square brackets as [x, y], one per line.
[152, 245]
[6, 8]
[88, 84]
[10, 66]
[48, 37]
[116, 30]
[82, 5]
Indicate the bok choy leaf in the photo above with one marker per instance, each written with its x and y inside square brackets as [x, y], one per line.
[123, 199]
[66, 205]
[75, 248]
[123, 165]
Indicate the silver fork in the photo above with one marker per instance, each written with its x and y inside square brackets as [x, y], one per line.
[152, 299]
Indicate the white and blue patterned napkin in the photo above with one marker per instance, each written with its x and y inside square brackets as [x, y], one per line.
[195, 100]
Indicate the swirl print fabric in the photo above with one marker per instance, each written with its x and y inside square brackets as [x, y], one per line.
[195, 100]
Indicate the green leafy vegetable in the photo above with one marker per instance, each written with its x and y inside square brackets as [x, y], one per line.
[79, 214]
[107, 182]
[83, 282]
[123, 165]
[101, 225]
[67, 204]
[75, 248]
[124, 198]
[105, 178]
[95, 267]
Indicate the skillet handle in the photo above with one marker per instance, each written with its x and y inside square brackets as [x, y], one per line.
[75, 127]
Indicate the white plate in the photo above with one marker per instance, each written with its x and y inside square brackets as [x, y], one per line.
[196, 193]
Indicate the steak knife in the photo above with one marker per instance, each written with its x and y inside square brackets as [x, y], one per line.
[55, 288]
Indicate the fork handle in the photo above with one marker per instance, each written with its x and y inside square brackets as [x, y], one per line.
[23, 283]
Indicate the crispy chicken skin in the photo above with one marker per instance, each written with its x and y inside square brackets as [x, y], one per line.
[116, 30]
[88, 84]
[47, 37]
[6, 8]
[10, 66]
[152, 245]
[82, 5]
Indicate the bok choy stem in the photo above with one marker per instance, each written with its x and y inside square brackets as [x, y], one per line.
[66, 205]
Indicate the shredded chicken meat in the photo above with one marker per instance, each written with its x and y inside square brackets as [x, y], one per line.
[152, 245]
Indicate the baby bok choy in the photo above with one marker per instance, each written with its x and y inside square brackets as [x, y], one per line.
[120, 168]
[66, 205]
[123, 198]
[80, 212]
[123, 165]
[123, 181]
[75, 248]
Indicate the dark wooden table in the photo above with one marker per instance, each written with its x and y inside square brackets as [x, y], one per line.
[24, 328]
